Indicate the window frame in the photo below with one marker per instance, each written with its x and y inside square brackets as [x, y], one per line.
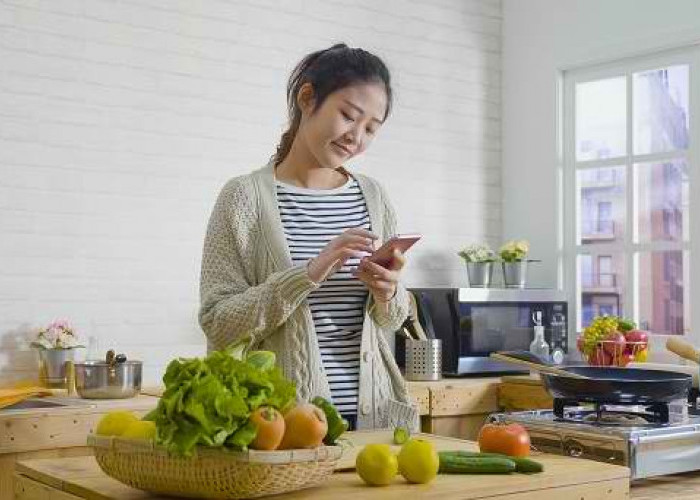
[569, 274]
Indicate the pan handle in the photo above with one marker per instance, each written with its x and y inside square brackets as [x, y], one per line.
[683, 349]
[534, 364]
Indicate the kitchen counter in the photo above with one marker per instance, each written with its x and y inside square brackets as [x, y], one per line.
[564, 478]
[456, 407]
[76, 478]
[57, 431]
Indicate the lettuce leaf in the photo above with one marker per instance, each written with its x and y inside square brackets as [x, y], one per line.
[208, 401]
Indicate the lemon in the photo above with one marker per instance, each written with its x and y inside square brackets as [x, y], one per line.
[115, 423]
[418, 461]
[642, 355]
[141, 429]
[376, 464]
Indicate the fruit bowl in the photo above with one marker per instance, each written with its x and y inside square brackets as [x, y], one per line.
[613, 353]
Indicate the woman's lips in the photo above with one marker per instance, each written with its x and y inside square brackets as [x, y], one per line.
[346, 152]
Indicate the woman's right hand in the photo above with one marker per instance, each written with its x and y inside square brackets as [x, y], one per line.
[355, 242]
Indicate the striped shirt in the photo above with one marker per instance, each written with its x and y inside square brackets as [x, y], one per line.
[311, 218]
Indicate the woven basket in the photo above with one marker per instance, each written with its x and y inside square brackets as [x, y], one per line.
[212, 473]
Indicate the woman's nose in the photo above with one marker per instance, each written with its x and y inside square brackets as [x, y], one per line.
[353, 137]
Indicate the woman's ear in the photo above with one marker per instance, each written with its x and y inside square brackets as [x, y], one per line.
[306, 99]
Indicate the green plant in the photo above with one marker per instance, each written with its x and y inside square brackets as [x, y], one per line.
[514, 250]
[477, 252]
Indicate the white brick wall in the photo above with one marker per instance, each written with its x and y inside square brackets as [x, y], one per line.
[121, 119]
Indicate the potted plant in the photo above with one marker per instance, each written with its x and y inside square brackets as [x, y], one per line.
[514, 263]
[56, 344]
[479, 259]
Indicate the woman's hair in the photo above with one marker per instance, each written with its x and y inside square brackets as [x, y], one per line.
[327, 71]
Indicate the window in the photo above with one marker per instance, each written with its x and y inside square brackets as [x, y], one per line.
[605, 274]
[629, 152]
[605, 217]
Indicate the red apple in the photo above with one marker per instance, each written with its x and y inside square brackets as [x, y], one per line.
[599, 357]
[637, 336]
[614, 344]
[637, 340]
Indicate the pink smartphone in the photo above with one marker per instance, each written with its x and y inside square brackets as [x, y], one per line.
[384, 254]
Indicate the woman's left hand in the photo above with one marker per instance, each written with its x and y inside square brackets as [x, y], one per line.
[381, 281]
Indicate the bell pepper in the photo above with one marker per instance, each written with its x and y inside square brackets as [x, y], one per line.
[336, 423]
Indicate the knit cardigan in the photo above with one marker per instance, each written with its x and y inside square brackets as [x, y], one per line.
[249, 287]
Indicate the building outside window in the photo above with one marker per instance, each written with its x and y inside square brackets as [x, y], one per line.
[629, 158]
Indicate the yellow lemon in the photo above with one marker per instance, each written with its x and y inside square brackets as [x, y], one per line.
[376, 464]
[418, 461]
[141, 429]
[115, 423]
[642, 355]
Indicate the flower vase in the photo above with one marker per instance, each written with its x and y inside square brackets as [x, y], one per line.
[479, 274]
[515, 274]
[53, 366]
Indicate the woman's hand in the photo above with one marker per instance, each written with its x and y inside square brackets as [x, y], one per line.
[352, 243]
[382, 282]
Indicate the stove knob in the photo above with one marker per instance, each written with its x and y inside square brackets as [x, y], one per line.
[573, 448]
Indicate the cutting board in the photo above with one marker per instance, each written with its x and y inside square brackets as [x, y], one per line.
[355, 441]
[564, 478]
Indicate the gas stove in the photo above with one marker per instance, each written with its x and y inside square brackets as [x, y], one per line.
[650, 439]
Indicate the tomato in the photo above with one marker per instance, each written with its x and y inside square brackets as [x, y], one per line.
[270, 428]
[509, 439]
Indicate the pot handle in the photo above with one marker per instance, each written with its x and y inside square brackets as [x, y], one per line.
[683, 349]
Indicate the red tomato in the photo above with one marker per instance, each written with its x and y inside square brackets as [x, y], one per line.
[509, 439]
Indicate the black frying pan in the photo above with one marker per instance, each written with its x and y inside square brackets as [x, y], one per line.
[607, 385]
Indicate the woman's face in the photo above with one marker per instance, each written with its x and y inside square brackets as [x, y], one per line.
[345, 124]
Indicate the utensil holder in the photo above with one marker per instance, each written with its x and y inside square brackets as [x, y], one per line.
[423, 359]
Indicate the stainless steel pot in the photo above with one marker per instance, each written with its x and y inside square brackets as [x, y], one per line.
[111, 379]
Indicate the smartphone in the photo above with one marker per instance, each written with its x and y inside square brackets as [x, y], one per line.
[385, 253]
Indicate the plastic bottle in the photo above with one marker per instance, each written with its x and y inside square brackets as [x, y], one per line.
[539, 345]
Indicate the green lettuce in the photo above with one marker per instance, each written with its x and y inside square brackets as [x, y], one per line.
[208, 401]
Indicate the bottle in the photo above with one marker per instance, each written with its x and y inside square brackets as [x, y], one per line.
[539, 345]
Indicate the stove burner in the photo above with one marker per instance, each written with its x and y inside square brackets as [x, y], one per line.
[609, 414]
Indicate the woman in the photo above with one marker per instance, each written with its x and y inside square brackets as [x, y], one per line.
[284, 256]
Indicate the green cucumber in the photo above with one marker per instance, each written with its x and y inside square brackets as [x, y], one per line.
[452, 464]
[524, 465]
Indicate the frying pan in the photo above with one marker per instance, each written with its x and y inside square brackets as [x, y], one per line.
[597, 384]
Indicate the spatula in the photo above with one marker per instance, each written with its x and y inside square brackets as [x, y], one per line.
[533, 362]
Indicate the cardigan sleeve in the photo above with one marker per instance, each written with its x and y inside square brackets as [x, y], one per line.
[231, 307]
[392, 317]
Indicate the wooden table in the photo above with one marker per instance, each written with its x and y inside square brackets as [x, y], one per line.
[564, 478]
[55, 432]
[456, 407]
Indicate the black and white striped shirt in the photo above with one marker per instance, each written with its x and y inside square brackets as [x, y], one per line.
[311, 218]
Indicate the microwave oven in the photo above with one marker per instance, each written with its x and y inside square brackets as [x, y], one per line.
[474, 322]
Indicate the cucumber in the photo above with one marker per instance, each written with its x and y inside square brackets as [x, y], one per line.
[452, 464]
[524, 465]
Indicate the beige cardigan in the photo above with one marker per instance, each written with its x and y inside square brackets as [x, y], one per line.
[250, 287]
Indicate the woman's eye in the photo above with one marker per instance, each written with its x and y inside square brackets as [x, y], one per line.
[371, 131]
[347, 116]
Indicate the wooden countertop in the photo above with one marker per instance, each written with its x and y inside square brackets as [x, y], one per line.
[52, 475]
[61, 426]
[456, 396]
[564, 478]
